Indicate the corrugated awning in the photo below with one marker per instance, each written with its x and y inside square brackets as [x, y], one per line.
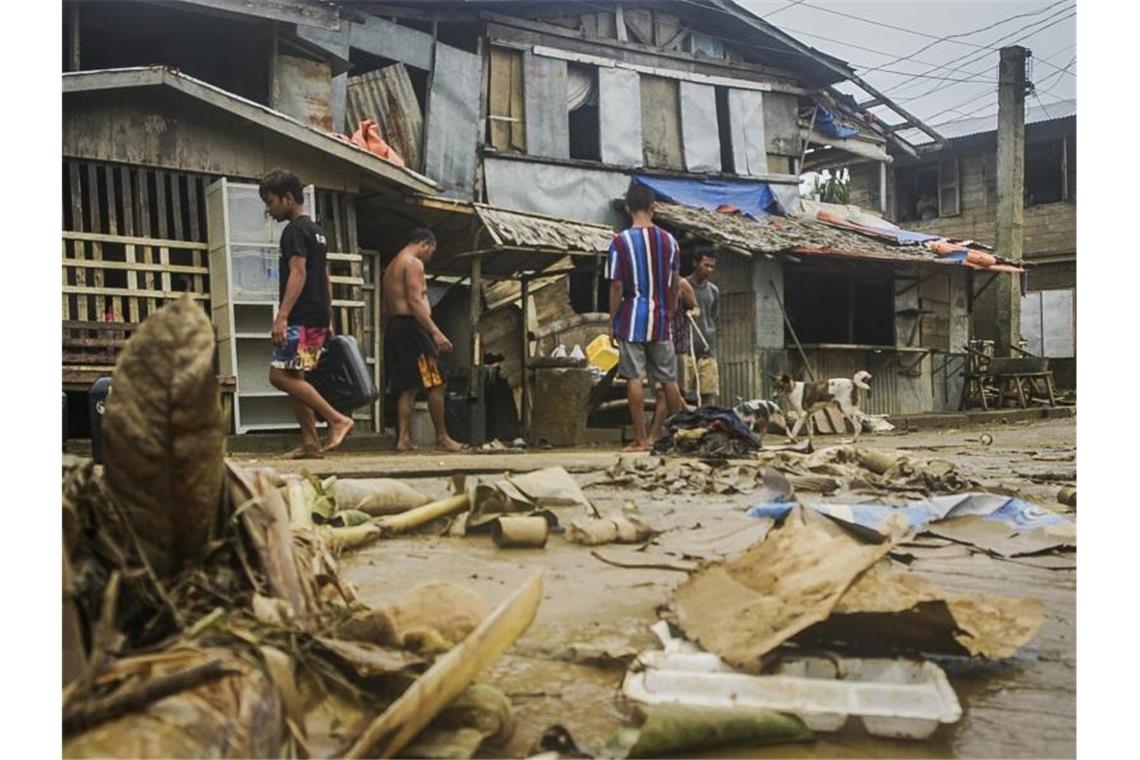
[511, 242]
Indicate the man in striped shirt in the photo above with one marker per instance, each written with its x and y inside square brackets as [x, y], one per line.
[643, 267]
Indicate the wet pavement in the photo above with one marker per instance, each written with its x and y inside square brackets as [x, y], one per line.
[568, 666]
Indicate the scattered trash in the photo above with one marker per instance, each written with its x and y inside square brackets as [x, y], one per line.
[814, 580]
[670, 730]
[1001, 525]
[392, 731]
[593, 531]
[747, 606]
[709, 431]
[481, 714]
[376, 496]
[516, 532]
[885, 611]
[901, 699]
[641, 559]
[876, 471]
[662, 476]
[557, 741]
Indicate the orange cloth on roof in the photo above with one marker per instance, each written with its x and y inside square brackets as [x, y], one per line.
[367, 136]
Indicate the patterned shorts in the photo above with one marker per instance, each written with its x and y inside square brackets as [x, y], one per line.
[302, 348]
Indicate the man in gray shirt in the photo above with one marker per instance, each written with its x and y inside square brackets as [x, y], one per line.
[708, 303]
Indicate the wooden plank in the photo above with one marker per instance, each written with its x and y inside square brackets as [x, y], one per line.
[125, 182]
[356, 270]
[82, 304]
[499, 105]
[347, 280]
[113, 225]
[201, 284]
[134, 266]
[168, 295]
[143, 192]
[160, 179]
[66, 309]
[95, 217]
[344, 257]
[134, 240]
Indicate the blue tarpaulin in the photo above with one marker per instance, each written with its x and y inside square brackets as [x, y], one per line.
[1016, 514]
[906, 236]
[826, 124]
[755, 199]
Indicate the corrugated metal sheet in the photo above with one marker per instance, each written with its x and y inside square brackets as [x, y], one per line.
[891, 393]
[736, 328]
[619, 112]
[547, 123]
[522, 230]
[387, 97]
[453, 121]
[700, 135]
[951, 130]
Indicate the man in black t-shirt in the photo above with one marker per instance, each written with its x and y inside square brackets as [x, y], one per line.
[304, 315]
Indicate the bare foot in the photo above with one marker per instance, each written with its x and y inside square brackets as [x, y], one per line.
[305, 452]
[637, 446]
[338, 431]
[405, 445]
[447, 444]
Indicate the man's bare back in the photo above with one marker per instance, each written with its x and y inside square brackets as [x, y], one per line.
[405, 269]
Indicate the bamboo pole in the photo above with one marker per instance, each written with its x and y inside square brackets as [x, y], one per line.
[413, 518]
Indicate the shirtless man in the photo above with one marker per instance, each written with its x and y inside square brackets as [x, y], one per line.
[412, 342]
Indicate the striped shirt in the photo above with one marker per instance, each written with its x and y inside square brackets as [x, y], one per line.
[644, 260]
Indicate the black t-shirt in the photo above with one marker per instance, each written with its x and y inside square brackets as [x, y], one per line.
[303, 237]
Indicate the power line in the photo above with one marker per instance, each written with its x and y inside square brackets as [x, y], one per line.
[979, 56]
[1003, 40]
[971, 32]
[783, 8]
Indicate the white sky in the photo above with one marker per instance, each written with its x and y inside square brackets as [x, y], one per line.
[1050, 33]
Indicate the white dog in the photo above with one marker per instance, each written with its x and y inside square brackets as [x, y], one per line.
[808, 398]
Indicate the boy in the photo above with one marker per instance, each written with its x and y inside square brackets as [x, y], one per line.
[304, 314]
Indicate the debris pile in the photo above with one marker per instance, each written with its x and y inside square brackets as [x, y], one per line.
[709, 431]
[813, 579]
[204, 613]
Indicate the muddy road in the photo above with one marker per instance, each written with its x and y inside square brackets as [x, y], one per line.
[569, 665]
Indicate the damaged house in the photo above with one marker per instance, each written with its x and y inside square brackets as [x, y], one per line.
[953, 190]
[508, 127]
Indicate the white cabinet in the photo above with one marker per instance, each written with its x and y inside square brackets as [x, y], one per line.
[244, 277]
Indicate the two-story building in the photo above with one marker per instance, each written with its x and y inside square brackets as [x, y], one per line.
[509, 127]
[953, 190]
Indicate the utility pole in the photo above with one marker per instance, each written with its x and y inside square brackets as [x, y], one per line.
[1012, 89]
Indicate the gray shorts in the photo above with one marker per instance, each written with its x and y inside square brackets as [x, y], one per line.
[657, 359]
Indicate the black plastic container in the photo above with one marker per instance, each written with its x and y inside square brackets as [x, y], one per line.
[466, 419]
[342, 376]
[96, 401]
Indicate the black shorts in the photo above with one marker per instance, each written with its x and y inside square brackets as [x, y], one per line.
[410, 357]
